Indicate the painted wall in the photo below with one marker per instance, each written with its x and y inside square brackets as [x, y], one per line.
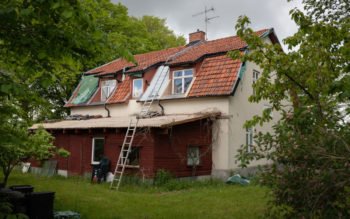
[79, 144]
[171, 148]
[159, 149]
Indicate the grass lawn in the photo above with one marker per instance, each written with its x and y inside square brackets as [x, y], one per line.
[202, 200]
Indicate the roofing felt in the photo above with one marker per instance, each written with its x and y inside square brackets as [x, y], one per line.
[216, 76]
[123, 122]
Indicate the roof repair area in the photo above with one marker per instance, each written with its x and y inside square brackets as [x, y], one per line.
[123, 122]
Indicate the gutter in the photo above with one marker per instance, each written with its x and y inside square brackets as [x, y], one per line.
[108, 112]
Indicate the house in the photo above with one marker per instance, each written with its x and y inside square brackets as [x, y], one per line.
[199, 110]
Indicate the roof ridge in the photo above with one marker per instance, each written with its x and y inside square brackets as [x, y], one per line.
[155, 51]
[235, 36]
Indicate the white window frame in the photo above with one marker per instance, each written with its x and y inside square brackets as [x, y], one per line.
[93, 149]
[196, 159]
[133, 87]
[256, 75]
[183, 80]
[109, 88]
[249, 136]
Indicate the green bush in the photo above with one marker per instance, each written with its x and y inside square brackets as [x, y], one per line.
[162, 177]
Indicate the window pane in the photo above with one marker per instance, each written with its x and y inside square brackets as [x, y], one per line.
[133, 158]
[188, 72]
[98, 149]
[177, 86]
[187, 83]
[137, 88]
[107, 88]
[192, 156]
[178, 73]
[110, 83]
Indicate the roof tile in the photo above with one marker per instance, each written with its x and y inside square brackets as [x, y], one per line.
[122, 93]
[212, 47]
[216, 76]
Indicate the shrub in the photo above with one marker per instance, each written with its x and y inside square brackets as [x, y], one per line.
[162, 177]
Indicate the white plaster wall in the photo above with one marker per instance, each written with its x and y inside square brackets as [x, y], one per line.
[123, 109]
[242, 110]
[180, 106]
[195, 105]
[88, 110]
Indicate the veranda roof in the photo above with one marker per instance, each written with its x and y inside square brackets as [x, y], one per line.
[123, 122]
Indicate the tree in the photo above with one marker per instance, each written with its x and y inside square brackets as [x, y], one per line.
[136, 35]
[44, 47]
[310, 146]
[24, 147]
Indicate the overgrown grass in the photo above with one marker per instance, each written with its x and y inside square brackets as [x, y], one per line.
[175, 199]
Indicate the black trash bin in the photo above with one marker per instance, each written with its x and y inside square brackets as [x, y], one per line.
[25, 189]
[40, 205]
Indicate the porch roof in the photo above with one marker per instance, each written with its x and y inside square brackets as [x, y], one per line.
[123, 122]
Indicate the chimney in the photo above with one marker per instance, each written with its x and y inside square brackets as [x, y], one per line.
[197, 36]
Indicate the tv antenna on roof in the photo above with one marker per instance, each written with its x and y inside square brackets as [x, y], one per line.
[206, 18]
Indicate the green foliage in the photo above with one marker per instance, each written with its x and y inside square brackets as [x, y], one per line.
[162, 177]
[63, 152]
[44, 47]
[309, 86]
[37, 146]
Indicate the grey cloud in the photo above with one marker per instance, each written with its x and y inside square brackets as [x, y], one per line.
[263, 14]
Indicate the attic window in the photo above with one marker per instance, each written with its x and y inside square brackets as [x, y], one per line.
[182, 80]
[137, 88]
[107, 89]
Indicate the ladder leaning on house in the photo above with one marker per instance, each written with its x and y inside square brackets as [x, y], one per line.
[144, 113]
[131, 131]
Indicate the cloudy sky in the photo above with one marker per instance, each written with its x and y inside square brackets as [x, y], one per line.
[178, 13]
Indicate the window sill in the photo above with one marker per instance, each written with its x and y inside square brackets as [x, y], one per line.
[132, 166]
[191, 166]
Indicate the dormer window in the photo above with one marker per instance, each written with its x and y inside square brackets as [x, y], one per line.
[137, 88]
[107, 88]
[182, 80]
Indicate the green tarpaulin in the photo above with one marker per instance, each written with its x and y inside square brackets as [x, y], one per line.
[87, 88]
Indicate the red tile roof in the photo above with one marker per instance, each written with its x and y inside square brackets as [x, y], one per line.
[148, 59]
[212, 47]
[111, 67]
[143, 61]
[216, 76]
[122, 93]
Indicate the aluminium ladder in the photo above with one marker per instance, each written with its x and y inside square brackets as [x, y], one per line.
[130, 133]
[144, 113]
